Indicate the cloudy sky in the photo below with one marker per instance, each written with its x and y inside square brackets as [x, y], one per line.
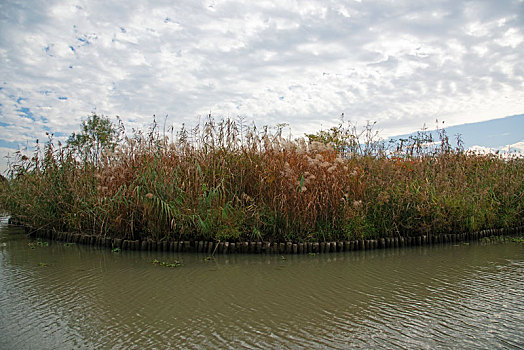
[402, 64]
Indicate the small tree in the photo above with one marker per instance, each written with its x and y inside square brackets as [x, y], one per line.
[349, 141]
[98, 135]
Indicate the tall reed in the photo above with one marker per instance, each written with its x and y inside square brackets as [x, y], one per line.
[226, 180]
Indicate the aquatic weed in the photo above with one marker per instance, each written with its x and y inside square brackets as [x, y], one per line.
[519, 240]
[38, 243]
[176, 263]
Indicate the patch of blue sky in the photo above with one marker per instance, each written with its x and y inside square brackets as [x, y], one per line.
[490, 133]
[123, 30]
[72, 48]
[4, 124]
[62, 98]
[20, 99]
[8, 144]
[26, 113]
[83, 41]
[70, 66]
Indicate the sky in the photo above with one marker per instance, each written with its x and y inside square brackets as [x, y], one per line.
[402, 64]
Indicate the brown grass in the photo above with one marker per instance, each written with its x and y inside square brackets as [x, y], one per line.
[225, 181]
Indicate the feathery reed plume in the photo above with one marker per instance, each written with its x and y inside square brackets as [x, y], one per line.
[227, 180]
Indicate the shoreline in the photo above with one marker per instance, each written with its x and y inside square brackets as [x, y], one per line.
[265, 247]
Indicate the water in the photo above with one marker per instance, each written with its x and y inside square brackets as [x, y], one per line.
[465, 296]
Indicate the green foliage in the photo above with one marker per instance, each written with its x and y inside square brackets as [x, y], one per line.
[38, 243]
[98, 135]
[519, 240]
[347, 140]
[227, 182]
[175, 263]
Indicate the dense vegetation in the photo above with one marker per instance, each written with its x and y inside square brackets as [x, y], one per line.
[225, 181]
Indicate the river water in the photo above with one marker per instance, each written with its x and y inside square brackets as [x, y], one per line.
[78, 297]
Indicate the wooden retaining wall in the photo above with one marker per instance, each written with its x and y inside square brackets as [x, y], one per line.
[210, 248]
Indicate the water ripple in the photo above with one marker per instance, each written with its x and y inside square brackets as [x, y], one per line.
[423, 297]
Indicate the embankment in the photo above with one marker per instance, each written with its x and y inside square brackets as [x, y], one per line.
[265, 247]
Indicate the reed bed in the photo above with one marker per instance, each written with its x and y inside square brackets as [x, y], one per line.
[225, 181]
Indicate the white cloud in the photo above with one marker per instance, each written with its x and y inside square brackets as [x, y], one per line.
[513, 150]
[401, 64]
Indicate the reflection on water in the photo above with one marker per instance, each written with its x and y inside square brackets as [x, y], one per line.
[466, 296]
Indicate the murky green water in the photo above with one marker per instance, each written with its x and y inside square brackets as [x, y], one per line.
[467, 296]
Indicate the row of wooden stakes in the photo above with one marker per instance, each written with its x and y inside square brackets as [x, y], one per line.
[254, 247]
